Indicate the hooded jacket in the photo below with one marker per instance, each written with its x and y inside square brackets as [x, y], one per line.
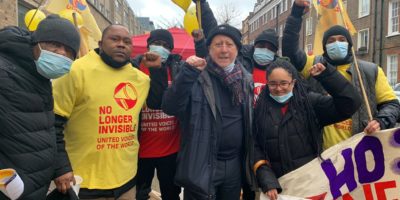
[28, 141]
[387, 108]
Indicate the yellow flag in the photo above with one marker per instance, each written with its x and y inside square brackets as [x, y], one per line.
[90, 32]
[184, 4]
[330, 13]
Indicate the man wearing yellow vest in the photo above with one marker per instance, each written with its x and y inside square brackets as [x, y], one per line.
[97, 107]
[337, 44]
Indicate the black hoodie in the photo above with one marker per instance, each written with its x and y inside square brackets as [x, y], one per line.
[28, 141]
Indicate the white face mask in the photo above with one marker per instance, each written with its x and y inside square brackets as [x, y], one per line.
[337, 50]
[263, 56]
[160, 50]
[51, 65]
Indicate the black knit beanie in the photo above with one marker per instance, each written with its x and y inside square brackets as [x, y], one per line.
[56, 29]
[269, 36]
[226, 30]
[337, 30]
[163, 35]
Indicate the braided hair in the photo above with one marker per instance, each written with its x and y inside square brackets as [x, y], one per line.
[299, 101]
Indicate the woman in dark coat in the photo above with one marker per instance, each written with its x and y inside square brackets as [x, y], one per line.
[289, 120]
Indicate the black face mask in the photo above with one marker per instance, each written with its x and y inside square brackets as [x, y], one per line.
[110, 61]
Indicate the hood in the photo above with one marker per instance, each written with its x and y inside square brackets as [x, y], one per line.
[16, 43]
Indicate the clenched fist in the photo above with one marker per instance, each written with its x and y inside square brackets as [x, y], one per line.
[196, 62]
[151, 59]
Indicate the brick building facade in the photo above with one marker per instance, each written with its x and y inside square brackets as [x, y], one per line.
[376, 21]
[105, 12]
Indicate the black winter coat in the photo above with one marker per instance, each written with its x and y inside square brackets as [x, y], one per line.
[285, 141]
[28, 140]
[193, 100]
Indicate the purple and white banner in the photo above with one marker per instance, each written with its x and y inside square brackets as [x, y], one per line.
[362, 167]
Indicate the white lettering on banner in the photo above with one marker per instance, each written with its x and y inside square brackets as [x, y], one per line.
[157, 122]
[158, 115]
[361, 167]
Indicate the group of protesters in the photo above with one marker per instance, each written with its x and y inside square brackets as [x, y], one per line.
[239, 116]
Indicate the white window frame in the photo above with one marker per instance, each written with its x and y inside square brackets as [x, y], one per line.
[285, 5]
[392, 68]
[391, 18]
[361, 6]
[360, 38]
[309, 26]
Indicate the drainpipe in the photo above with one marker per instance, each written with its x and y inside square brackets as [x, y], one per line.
[277, 18]
[381, 34]
[375, 31]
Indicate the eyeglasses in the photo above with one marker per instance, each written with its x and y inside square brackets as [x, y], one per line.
[227, 45]
[282, 85]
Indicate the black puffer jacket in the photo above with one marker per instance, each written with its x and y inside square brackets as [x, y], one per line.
[28, 141]
[285, 141]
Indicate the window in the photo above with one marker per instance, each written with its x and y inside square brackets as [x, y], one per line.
[309, 26]
[363, 8]
[393, 24]
[363, 38]
[274, 12]
[281, 30]
[22, 10]
[285, 6]
[96, 3]
[126, 18]
[108, 14]
[392, 68]
[117, 5]
[102, 8]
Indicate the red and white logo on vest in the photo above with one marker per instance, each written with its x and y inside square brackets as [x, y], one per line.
[125, 95]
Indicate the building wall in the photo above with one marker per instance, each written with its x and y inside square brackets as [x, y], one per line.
[380, 44]
[8, 13]
[262, 18]
[100, 17]
[105, 13]
[245, 31]
[391, 44]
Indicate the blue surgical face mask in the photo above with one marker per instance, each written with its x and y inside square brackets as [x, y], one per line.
[263, 56]
[228, 69]
[160, 50]
[283, 98]
[337, 50]
[51, 65]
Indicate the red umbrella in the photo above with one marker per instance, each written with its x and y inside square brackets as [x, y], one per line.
[183, 43]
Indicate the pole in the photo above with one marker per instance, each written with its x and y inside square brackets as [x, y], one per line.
[33, 16]
[77, 28]
[364, 93]
[198, 11]
[277, 18]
